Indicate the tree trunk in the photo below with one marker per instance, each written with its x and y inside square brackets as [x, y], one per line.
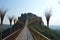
[48, 24]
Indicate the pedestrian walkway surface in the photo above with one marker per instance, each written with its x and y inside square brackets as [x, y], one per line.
[25, 33]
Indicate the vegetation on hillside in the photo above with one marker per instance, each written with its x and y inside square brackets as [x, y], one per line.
[37, 23]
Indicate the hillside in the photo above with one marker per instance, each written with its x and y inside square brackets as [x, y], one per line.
[53, 35]
[38, 25]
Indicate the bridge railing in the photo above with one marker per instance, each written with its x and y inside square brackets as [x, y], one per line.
[37, 35]
[13, 35]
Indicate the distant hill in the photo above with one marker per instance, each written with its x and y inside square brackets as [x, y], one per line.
[29, 16]
[38, 25]
[55, 27]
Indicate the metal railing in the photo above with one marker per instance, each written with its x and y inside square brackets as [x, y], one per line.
[37, 35]
[13, 35]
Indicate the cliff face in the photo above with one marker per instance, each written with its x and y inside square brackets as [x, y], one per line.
[31, 17]
[37, 23]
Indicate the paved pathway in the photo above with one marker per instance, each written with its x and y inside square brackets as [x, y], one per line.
[25, 33]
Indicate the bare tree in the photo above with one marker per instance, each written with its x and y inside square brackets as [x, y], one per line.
[48, 15]
[15, 20]
[10, 20]
[2, 15]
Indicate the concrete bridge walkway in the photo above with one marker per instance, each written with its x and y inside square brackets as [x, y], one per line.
[25, 33]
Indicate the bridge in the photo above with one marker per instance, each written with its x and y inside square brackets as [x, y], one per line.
[26, 33]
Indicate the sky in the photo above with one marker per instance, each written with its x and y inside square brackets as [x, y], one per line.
[38, 7]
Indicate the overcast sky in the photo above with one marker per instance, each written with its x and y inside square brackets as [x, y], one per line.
[38, 7]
